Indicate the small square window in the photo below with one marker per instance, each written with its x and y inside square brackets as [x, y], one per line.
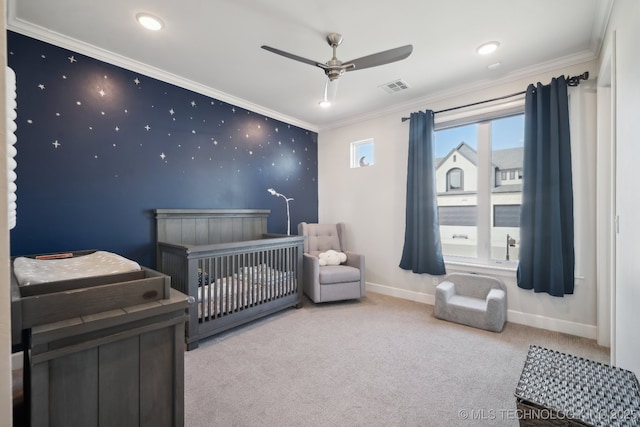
[362, 153]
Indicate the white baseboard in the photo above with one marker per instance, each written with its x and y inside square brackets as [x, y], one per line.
[401, 293]
[537, 321]
[551, 324]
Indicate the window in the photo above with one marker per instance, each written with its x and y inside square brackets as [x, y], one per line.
[482, 222]
[454, 179]
[362, 153]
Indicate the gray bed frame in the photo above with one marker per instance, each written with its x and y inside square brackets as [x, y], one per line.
[211, 255]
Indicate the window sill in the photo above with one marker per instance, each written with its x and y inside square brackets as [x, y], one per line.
[505, 269]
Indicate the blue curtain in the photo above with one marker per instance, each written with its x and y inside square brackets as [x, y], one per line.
[546, 217]
[422, 252]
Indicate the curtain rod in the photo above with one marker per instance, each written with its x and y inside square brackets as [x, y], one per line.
[571, 81]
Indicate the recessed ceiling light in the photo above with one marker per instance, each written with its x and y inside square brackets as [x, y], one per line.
[494, 65]
[324, 103]
[487, 48]
[150, 22]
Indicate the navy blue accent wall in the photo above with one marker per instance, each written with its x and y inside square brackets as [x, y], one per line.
[100, 147]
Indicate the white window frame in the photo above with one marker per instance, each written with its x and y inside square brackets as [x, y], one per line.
[482, 116]
[355, 152]
[460, 173]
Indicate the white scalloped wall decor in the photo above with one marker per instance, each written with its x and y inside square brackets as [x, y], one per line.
[11, 148]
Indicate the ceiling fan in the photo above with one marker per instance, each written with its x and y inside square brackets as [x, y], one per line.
[334, 68]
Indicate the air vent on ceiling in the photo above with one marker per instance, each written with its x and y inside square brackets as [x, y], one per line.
[394, 86]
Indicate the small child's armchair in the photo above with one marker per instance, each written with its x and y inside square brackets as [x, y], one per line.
[472, 300]
[324, 283]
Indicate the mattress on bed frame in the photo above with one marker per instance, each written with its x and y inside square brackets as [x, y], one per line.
[251, 285]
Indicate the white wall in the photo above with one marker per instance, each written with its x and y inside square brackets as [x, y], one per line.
[371, 201]
[624, 28]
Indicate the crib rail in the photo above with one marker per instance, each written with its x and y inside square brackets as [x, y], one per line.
[230, 278]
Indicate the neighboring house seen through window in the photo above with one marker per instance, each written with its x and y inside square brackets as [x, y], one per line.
[479, 188]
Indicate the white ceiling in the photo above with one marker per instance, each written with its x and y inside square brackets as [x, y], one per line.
[213, 46]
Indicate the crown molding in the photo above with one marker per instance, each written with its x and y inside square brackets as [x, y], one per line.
[600, 24]
[28, 29]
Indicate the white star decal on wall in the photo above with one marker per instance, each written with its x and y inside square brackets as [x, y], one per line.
[253, 153]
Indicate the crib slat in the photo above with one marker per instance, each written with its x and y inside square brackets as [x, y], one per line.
[215, 284]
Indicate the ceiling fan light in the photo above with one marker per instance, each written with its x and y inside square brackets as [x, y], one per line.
[150, 22]
[487, 48]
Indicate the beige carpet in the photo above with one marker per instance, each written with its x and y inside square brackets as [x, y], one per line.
[380, 361]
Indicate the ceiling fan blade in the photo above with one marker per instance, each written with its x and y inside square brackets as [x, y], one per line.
[294, 57]
[380, 58]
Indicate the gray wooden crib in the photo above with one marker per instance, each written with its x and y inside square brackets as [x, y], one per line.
[227, 262]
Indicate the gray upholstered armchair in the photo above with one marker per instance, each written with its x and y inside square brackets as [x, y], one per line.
[330, 282]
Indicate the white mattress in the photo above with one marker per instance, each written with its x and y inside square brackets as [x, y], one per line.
[31, 271]
[252, 285]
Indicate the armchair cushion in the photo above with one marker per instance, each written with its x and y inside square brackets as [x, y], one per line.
[337, 274]
[321, 238]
